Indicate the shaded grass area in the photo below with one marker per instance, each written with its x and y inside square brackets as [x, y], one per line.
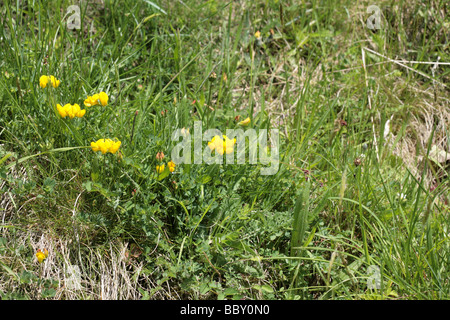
[363, 178]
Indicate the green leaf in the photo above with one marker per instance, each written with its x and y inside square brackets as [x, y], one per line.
[300, 220]
[204, 288]
[230, 292]
[5, 158]
[88, 186]
[48, 293]
[164, 174]
[49, 185]
[264, 287]
[38, 154]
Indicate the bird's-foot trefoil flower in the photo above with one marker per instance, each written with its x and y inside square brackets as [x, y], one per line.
[244, 122]
[160, 168]
[222, 146]
[97, 99]
[91, 101]
[44, 80]
[41, 256]
[171, 166]
[71, 111]
[103, 98]
[105, 145]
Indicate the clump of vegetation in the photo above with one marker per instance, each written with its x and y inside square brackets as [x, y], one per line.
[94, 205]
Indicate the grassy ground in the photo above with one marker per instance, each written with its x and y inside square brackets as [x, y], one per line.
[361, 191]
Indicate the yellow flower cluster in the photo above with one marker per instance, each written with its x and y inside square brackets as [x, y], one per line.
[41, 256]
[98, 98]
[44, 80]
[106, 145]
[70, 110]
[222, 146]
[171, 166]
[160, 168]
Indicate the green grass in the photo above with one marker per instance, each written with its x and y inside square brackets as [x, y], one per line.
[359, 185]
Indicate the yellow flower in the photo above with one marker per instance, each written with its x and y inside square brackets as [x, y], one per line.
[160, 168]
[244, 122]
[171, 166]
[215, 142]
[75, 111]
[95, 147]
[105, 145]
[61, 110]
[115, 146]
[103, 97]
[222, 146]
[70, 110]
[98, 98]
[228, 145]
[92, 101]
[81, 113]
[257, 34]
[41, 256]
[44, 80]
[55, 82]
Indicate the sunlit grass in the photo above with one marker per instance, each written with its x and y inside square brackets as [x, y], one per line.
[361, 186]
